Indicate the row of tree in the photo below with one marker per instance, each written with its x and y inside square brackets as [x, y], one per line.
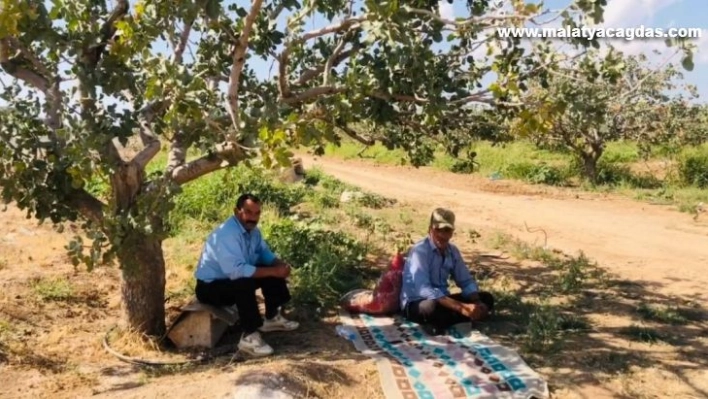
[81, 77]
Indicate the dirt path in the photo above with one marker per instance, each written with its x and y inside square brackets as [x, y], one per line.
[662, 248]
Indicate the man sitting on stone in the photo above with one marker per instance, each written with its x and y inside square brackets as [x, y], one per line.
[425, 298]
[234, 263]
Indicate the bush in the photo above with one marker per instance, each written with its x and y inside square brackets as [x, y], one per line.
[613, 174]
[315, 177]
[212, 198]
[326, 263]
[693, 169]
[541, 173]
[464, 166]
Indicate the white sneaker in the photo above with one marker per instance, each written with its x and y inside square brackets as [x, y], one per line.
[279, 323]
[253, 344]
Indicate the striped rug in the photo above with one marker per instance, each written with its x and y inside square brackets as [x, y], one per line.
[462, 364]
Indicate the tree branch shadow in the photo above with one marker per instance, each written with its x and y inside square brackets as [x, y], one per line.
[562, 313]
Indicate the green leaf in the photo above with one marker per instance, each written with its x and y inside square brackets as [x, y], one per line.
[687, 63]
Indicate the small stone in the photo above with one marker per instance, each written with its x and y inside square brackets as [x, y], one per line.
[262, 385]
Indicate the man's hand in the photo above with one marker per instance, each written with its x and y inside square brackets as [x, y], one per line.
[281, 271]
[475, 311]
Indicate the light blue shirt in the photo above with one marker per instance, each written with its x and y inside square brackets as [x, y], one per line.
[232, 252]
[426, 273]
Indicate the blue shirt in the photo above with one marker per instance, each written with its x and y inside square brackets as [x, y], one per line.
[232, 252]
[426, 273]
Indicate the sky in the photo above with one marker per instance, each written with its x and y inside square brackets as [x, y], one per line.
[649, 14]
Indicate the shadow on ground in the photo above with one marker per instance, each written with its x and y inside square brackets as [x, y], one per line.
[582, 326]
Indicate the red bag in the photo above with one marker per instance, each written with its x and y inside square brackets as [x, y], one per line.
[384, 298]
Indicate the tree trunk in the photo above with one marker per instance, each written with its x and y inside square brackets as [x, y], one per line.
[589, 168]
[141, 259]
[143, 284]
[589, 160]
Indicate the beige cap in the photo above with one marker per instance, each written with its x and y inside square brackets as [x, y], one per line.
[442, 218]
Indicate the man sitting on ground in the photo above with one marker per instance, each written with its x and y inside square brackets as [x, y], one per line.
[234, 263]
[425, 298]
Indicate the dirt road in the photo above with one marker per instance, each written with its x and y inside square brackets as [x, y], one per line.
[645, 243]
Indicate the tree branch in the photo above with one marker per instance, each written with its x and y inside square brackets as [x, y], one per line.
[648, 75]
[330, 61]
[17, 66]
[227, 154]
[481, 97]
[284, 57]
[477, 21]
[399, 97]
[314, 72]
[92, 54]
[183, 41]
[40, 78]
[276, 11]
[312, 93]
[353, 134]
[239, 59]
[29, 56]
[87, 205]
[178, 152]
[347, 23]
[150, 142]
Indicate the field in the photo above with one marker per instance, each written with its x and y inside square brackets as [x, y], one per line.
[601, 289]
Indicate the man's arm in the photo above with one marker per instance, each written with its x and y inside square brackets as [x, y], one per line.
[463, 278]
[232, 260]
[234, 264]
[278, 268]
[470, 290]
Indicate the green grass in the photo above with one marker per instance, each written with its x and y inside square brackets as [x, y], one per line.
[674, 315]
[56, 289]
[642, 334]
[682, 182]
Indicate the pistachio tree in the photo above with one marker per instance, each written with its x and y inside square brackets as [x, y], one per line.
[606, 96]
[215, 83]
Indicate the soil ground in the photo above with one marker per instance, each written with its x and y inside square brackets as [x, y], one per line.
[650, 244]
[53, 317]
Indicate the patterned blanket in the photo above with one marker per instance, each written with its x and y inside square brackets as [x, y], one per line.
[462, 364]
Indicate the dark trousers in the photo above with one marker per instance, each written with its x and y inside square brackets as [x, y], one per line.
[242, 293]
[436, 317]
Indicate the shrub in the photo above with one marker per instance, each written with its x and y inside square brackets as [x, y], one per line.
[541, 173]
[326, 263]
[212, 198]
[693, 169]
[613, 173]
[464, 166]
[315, 177]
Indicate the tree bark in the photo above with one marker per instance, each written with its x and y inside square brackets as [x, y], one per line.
[143, 284]
[590, 159]
[140, 255]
